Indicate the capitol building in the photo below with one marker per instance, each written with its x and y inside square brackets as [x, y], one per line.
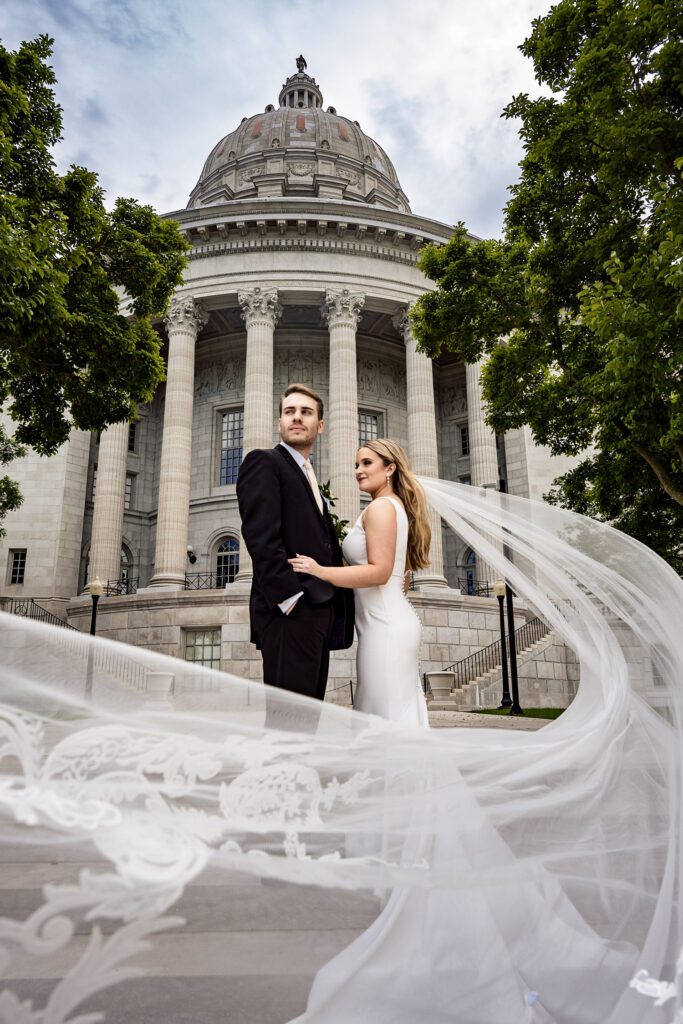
[303, 267]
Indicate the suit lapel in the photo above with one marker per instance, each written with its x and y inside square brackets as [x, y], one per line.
[301, 475]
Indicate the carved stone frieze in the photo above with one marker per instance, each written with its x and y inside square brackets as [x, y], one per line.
[185, 314]
[351, 176]
[305, 365]
[381, 380]
[216, 378]
[453, 399]
[301, 169]
[248, 174]
[342, 307]
[260, 304]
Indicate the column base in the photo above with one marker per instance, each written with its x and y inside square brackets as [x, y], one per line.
[244, 576]
[422, 582]
[167, 580]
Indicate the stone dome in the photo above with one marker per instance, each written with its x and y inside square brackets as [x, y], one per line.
[299, 149]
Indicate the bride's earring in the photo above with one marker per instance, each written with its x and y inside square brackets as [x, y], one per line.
[388, 478]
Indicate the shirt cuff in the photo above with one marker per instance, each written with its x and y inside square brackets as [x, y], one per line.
[287, 605]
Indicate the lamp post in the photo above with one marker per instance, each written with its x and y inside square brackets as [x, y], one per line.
[95, 589]
[515, 709]
[499, 591]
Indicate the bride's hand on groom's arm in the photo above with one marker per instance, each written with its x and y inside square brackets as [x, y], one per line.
[380, 535]
[302, 563]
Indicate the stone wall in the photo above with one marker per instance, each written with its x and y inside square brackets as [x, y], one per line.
[453, 628]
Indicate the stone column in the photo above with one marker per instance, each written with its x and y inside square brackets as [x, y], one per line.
[110, 494]
[483, 452]
[422, 447]
[184, 321]
[260, 312]
[342, 311]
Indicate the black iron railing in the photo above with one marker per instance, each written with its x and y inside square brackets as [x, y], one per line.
[28, 608]
[473, 588]
[207, 580]
[118, 588]
[488, 658]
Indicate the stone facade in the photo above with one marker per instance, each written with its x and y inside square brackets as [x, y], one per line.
[303, 266]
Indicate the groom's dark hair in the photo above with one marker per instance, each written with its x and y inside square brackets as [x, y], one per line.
[301, 389]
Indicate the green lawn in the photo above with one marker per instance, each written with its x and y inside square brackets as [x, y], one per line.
[528, 712]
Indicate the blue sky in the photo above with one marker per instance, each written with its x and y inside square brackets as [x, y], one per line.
[149, 86]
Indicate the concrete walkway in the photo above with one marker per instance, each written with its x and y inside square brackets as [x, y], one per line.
[452, 719]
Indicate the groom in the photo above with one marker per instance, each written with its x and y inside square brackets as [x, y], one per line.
[296, 620]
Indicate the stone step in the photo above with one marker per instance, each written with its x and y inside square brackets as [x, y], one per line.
[248, 952]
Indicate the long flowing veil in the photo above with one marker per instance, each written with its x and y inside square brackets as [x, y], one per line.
[165, 856]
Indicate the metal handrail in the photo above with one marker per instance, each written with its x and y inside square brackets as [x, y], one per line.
[119, 588]
[29, 609]
[205, 580]
[472, 588]
[481, 662]
[475, 588]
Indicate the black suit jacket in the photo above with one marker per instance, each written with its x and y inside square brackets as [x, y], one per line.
[280, 517]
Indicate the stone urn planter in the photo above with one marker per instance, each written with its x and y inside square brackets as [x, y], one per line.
[441, 684]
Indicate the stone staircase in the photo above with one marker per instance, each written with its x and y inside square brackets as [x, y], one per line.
[478, 679]
[485, 689]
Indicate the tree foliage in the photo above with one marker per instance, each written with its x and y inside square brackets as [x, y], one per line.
[585, 287]
[68, 355]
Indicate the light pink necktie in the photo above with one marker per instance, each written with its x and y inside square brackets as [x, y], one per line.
[314, 483]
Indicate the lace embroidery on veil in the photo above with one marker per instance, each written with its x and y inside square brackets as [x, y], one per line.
[552, 856]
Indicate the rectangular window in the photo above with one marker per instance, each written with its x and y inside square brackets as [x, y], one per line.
[464, 439]
[203, 647]
[370, 426]
[94, 483]
[128, 500]
[17, 565]
[132, 431]
[232, 433]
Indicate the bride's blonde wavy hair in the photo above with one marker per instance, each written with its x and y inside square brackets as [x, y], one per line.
[411, 494]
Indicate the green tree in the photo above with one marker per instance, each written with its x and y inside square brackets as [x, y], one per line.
[68, 355]
[585, 287]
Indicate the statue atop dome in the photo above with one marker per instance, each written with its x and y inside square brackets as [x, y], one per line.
[301, 64]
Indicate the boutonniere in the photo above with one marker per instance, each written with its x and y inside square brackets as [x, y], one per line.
[341, 526]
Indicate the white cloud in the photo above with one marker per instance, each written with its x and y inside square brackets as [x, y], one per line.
[148, 87]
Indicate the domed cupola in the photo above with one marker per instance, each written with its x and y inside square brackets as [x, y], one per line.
[299, 149]
[300, 90]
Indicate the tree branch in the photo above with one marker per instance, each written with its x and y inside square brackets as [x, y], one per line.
[661, 472]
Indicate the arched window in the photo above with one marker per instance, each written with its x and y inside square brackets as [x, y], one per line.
[471, 570]
[227, 561]
[126, 570]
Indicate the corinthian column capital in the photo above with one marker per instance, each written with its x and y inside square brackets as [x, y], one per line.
[402, 325]
[342, 307]
[260, 305]
[185, 314]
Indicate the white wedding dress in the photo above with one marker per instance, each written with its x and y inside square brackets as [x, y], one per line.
[389, 634]
[533, 876]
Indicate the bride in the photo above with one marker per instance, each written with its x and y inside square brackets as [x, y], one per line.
[391, 536]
